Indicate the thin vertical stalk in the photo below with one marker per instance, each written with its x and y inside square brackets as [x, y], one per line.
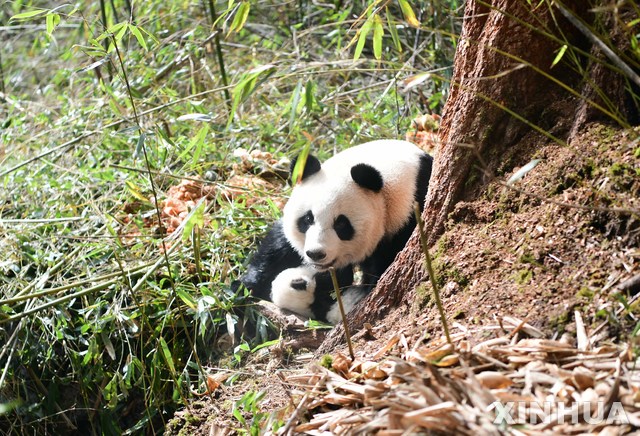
[434, 284]
[105, 26]
[1, 75]
[132, 17]
[347, 334]
[219, 56]
[115, 12]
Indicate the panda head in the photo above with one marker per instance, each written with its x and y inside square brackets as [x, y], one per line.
[336, 214]
[294, 289]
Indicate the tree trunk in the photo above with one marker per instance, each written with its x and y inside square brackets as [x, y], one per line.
[499, 93]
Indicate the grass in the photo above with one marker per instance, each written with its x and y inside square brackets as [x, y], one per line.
[107, 324]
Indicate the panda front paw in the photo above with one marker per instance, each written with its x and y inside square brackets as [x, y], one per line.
[294, 289]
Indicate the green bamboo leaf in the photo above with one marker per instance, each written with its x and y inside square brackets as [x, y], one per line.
[164, 348]
[52, 20]
[28, 14]
[633, 22]
[135, 191]
[247, 85]
[393, 31]
[378, 33]
[92, 352]
[296, 174]
[409, 16]
[273, 207]
[362, 38]
[558, 57]
[149, 34]
[309, 95]
[245, 15]
[200, 144]
[238, 415]
[138, 152]
[138, 34]
[265, 345]
[295, 101]
[116, 28]
[186, 298]
[196, 142]
[241, 16]
[121, 32]
[195, 218]
[197, 254]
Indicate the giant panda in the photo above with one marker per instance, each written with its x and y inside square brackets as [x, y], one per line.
[277, 273]
[358, 207]
[355, 210]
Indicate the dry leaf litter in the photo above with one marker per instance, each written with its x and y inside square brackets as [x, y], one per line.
[516, 382]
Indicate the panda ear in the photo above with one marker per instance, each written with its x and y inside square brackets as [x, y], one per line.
[367, 176]
[311, 166]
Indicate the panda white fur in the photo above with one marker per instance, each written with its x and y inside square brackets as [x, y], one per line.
[356, 209]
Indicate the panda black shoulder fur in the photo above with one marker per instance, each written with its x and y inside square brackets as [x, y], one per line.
[356, 209]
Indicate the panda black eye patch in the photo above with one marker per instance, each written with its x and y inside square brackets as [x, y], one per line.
[343, 228]
[305, 221]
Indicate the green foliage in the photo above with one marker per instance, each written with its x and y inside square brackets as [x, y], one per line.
[240, 17]
[326, 361]
[248, 84]
[408, 13]
[560, 54]
[106, 323]
[373, 21]
[523, 276]
[586, 293]
[247, 412]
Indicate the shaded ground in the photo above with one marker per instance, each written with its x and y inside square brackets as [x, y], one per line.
[521, 253]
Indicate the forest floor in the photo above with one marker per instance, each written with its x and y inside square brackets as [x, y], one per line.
[540, 297]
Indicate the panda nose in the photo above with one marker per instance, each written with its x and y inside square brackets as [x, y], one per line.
[316, 255]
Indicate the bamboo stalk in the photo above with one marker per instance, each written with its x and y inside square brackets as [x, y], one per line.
[432, 277]
[347, 334]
